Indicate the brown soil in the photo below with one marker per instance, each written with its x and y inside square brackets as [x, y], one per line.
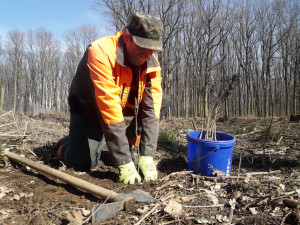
[272, 197]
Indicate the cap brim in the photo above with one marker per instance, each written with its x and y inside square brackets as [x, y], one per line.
[148, 43]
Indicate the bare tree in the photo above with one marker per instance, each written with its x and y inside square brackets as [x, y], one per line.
[295, 68]
[214, 17]
[2, 92]
[171, 13]
[191, 62]
[15, 46]
[244, 38]
[32, 69]
[42, 51]
[287, 14]
[116, 11]
[268, 23]
[77, 40]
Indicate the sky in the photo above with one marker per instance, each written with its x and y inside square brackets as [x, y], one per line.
[56, 16]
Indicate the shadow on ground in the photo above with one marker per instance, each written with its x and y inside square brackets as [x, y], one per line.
[175, 160]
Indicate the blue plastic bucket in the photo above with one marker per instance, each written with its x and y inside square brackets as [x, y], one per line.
[210, 158]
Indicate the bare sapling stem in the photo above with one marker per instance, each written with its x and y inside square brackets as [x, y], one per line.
[211, 125]
[200, 137]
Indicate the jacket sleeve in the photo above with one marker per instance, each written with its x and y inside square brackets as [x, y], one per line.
[150, 113]
[106, 94]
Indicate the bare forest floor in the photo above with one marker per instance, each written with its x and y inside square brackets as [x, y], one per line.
[266, 190]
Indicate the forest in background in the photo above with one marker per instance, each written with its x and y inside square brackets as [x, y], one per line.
[205, 43]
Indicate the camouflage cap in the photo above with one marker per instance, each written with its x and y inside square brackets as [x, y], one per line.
[145, 30]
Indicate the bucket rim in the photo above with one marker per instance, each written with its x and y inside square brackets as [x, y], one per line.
[192, 136]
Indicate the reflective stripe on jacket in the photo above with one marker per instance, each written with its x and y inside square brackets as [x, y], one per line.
[101, 87]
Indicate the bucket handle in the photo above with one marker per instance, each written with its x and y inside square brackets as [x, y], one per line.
[205, 155]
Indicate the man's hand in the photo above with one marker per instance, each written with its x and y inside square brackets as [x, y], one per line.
[148, 168]
[128, 174]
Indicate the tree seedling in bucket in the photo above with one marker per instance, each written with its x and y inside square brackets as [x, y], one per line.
[209, 152]
[214, 111]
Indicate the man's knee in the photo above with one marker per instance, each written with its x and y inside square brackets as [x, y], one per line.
[79, 162]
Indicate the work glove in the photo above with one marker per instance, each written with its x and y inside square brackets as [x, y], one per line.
[128, 174]
[148, 168]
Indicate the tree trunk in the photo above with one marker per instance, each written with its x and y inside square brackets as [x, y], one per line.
[2, 99]
[15, 84]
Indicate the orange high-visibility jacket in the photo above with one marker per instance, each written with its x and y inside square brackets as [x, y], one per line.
[101, 88]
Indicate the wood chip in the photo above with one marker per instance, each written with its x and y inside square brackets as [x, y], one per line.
[213, 199]
[291, 203]
[85, 212]
[4, 191]
[253, 211]
[142, 211]
[275, 204]
[173, 208]
[6, 213]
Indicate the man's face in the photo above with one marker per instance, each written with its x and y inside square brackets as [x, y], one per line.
[136, 54]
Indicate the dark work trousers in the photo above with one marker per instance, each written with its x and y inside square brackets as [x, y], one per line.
[86, 140]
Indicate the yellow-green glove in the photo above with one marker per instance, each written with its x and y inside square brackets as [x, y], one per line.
[128, 174]
[148, 168]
